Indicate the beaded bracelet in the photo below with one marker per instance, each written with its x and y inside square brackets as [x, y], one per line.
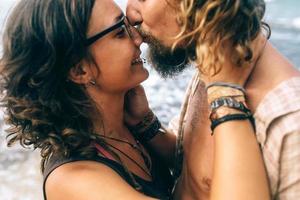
[230, 102]
[216, 92]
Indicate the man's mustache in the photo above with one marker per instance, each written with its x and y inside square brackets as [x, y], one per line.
[146, 36]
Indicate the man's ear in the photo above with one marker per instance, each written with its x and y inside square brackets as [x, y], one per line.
[80, 73]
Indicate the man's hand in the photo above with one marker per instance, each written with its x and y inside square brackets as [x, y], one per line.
[136, 106]
[231, 73]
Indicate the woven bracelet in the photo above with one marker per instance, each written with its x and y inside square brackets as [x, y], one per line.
[224, 84]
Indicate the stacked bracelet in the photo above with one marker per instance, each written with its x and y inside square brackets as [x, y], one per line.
[227, 102]
[148, 134]
[147, 129]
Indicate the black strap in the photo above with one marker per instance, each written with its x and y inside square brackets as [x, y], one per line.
[227, 118]
[54, 163]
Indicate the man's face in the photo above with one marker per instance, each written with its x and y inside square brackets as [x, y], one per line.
[157, 23]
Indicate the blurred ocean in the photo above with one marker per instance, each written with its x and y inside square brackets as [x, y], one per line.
[19, 169]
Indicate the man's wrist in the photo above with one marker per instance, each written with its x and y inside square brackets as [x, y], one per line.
[227, 102]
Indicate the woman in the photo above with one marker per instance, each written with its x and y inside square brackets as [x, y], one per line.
[65, 80]
[67, 66]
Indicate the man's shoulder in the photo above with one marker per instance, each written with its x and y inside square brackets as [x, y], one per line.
[279, 112]
[282, 100]
[277, 122]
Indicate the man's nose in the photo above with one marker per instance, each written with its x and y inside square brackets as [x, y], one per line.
[136, 37]
[133, 12]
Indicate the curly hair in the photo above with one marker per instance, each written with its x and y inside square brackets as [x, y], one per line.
[43, 40]
[209, 25]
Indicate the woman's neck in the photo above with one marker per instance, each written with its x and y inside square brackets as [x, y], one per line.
[111, 119]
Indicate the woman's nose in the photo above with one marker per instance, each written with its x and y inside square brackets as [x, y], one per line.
[133, 12]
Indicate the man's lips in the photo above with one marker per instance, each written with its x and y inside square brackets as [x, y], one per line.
[146, 38]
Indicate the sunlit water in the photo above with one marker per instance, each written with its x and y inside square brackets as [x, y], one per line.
[19, 169]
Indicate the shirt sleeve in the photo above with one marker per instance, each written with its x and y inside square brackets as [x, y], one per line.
[289, 185]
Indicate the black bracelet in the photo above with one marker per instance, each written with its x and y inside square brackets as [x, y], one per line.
[147, 120]
[149, 133]
[226, 118]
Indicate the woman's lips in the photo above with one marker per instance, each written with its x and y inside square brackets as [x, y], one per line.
[137, 61]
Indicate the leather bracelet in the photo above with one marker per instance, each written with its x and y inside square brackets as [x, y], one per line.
[231, 117]
[145, 123]
[149, 133]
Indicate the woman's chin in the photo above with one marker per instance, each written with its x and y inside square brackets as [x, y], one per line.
[143, 76]
[142, 72]
[146, 74]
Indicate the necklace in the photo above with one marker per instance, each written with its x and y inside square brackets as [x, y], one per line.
[136, 147]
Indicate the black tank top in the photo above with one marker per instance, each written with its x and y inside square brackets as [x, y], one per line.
[160, 187]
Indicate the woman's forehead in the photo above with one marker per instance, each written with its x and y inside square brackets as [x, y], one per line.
[104, 14]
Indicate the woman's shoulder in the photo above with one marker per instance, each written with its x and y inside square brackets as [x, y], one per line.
[82, 171]
[75, 171]
[75, 178]
[71, 172]
[87, 180]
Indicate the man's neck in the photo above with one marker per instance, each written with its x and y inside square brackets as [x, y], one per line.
[271, 69]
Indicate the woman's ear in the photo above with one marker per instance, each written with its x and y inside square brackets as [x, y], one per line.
[80, 74]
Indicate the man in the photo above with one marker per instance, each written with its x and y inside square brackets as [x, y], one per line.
[273, 89]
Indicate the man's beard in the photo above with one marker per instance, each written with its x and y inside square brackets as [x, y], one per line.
[167, 62]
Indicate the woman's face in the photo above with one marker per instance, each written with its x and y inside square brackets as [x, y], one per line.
[116, 54]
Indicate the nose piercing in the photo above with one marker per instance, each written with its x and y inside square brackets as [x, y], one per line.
[92, 82]
[144, 60]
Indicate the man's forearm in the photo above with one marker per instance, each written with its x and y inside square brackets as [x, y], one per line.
[238, 159]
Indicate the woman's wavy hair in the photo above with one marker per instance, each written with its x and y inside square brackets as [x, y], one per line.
[43, 40]
[209, 25]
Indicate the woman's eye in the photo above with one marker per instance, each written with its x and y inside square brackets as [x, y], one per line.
[121, 32]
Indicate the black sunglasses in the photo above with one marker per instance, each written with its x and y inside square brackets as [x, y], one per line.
[122, 22]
